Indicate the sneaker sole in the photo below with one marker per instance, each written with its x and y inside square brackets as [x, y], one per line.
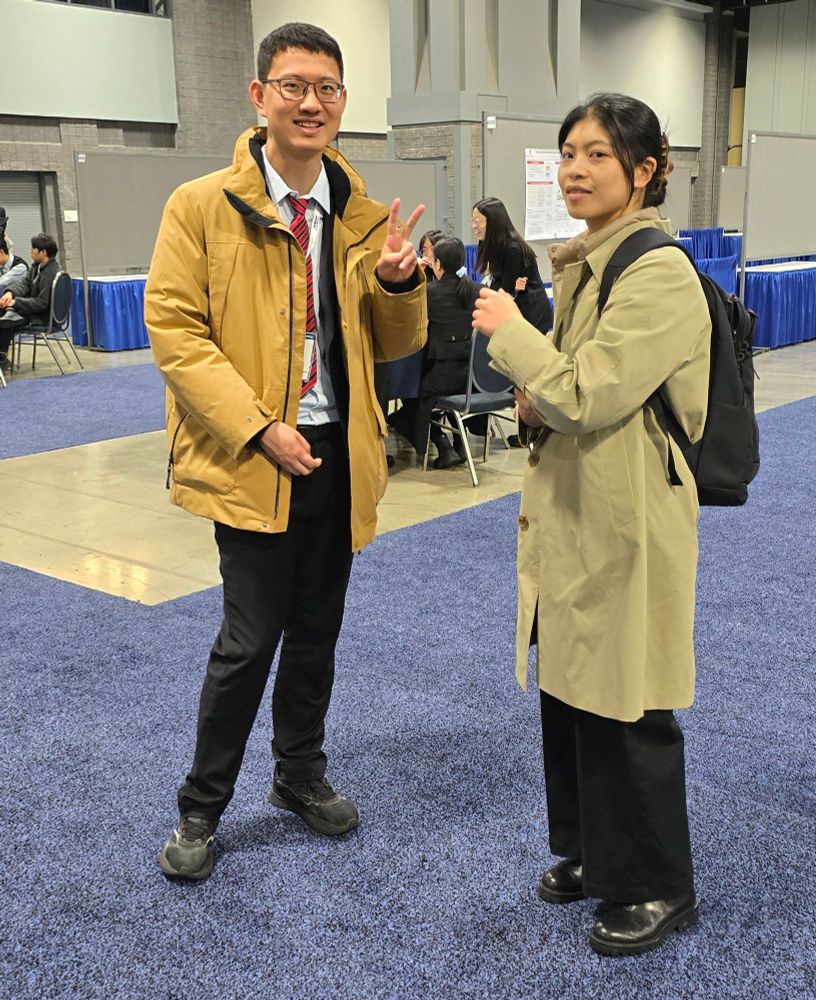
[312, 822]
[197, 876]
[688, 918]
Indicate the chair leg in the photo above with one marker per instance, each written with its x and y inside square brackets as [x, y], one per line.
[70, 343]
[463, 434]
[50, 347]
[488, 433]
[427, 449]
[498, 422]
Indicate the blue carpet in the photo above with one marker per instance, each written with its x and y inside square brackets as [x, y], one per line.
[59, 412]
[434, 895]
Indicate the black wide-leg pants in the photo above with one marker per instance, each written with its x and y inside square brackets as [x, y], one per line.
[290, 585]
[616, 799]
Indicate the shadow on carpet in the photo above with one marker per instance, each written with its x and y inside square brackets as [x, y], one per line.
[62, 411]
[434, 895]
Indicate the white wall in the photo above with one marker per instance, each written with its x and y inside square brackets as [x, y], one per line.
[361, 29]
[780, 91]
[77, 62]
[656, 55]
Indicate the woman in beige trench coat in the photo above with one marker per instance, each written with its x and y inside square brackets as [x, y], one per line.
[607, 546]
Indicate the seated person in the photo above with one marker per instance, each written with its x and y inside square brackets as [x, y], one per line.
[451, 300]
[29, 299]
[12, 268]
[426, 256]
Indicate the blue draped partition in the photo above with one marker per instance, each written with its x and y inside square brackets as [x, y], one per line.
[471, 250]
[705, 243]
[784, 298]
[79, 325]
[117, 312]
[723, 270]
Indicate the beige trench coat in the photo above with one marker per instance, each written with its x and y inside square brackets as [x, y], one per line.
[607, 547]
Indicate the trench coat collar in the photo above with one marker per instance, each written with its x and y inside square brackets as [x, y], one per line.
[245, 189]
[597, 248]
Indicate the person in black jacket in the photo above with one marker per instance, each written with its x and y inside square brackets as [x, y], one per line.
[28, 300]
[451, 300]
[506, 262]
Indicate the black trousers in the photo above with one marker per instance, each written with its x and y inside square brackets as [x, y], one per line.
[290, 585]
[616, 798]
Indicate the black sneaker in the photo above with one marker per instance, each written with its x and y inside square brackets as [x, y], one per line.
[188, 854]
[317, 804]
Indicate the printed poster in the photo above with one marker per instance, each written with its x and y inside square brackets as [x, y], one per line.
[546, 216]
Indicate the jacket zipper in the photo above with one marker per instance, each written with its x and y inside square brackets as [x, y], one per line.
[170, 460]
[289, 362]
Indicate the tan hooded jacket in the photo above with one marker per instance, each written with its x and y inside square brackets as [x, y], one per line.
[225, 309]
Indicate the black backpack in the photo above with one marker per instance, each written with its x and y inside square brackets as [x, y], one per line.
[726, 458]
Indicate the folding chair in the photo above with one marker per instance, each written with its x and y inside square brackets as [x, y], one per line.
[488, 394]
[54, 331]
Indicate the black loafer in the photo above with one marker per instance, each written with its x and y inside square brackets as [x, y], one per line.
[562, 883]
[188, 854]
[632, 928]
[317, 804]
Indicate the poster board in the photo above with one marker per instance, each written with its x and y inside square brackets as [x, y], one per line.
[505, 138]
[732, 197]
[780, 211]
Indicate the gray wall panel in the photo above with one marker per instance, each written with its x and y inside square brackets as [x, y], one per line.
[121, 197]
[780, 218]
[732, 197]
[414, 182]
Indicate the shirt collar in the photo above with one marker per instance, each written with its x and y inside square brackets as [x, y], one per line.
[279, 189]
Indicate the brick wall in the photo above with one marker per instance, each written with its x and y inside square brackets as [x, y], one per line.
[716, 111]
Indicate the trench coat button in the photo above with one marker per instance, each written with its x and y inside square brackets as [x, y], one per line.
[534, 459]
[283, 312]
[523, 523]
[265, 524]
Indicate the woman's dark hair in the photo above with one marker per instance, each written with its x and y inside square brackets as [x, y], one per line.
[499, 231]
[433, 236]
[450, 252]
[297, 35]
[635, 133]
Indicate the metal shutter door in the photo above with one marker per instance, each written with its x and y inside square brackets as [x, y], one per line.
[20, 196]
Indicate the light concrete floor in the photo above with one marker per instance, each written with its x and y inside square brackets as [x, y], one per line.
[98, 515]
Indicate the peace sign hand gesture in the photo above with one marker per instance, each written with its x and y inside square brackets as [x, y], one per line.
[398, 258]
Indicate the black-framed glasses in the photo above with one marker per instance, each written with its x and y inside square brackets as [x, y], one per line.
[292, 88]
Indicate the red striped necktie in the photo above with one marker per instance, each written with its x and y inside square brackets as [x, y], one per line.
[300, 230]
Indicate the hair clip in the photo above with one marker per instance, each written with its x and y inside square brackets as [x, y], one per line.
[461, 272]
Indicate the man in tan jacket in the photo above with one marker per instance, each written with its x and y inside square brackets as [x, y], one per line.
[275, 286]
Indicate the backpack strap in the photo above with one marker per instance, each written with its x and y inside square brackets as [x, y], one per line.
[633, 247]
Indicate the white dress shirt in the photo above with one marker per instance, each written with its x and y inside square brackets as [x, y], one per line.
[318, 406]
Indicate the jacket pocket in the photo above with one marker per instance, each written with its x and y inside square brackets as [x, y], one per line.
[199, 462]
[221, 267]
[617, 474]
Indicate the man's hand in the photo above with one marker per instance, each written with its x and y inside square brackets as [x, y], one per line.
[7, 301]
[492, 309]
[290, 450]
[526, 412]
[398, 258]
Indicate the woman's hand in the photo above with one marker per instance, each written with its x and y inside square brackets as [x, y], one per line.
[521, 284]
[527, 414]
[492, 309]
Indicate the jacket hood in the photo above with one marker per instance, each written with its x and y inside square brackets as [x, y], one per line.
[245, 187]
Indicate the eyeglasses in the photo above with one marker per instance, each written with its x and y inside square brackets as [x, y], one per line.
[292, 88]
